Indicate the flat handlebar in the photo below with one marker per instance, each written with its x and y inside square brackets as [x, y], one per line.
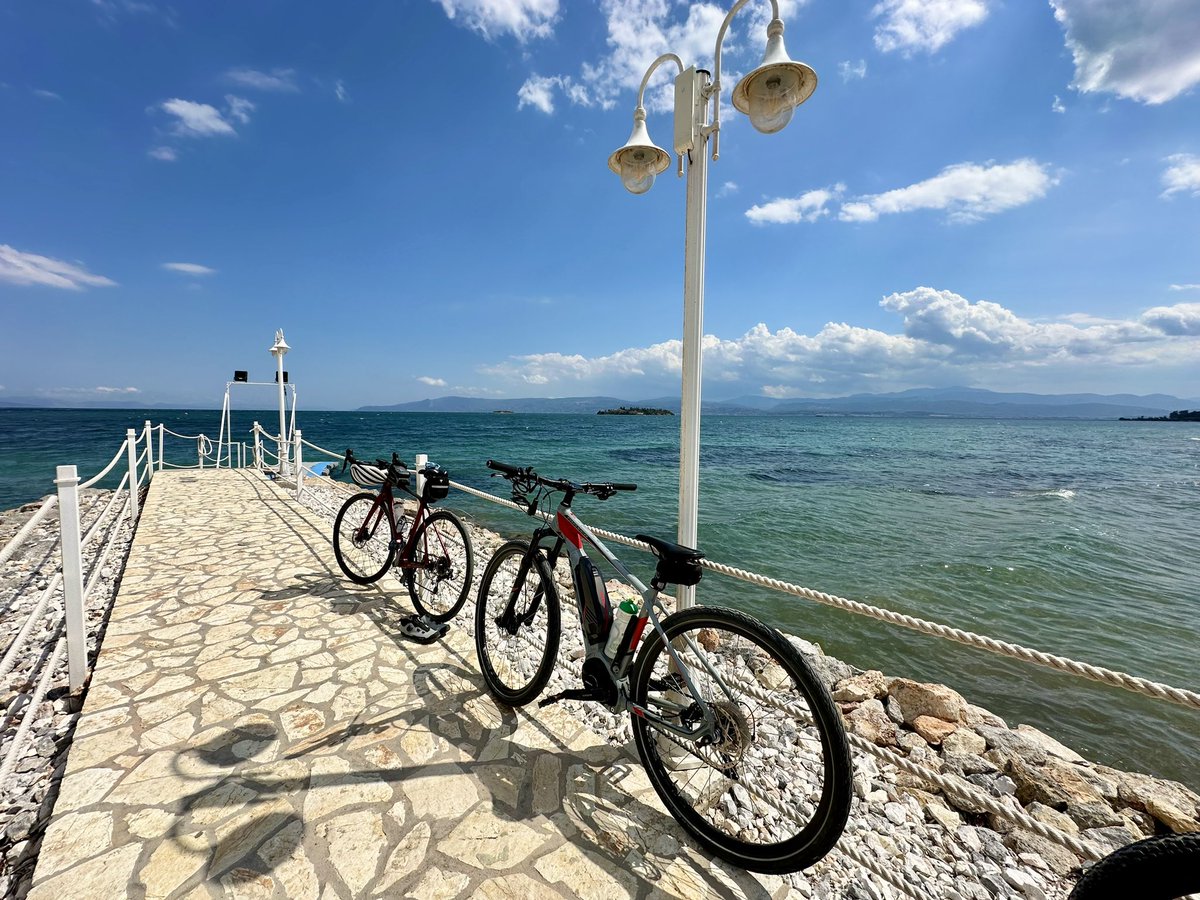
[602, 490]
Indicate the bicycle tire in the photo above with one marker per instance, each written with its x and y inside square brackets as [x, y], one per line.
[512, 673]
[785, 749]
[362, 547]
[443, 562]
[1156, 868]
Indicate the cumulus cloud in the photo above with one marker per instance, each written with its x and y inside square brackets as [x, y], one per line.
[280, 80]
[1182, 175]
[20, 268]
[117, 390]
[944, 338]
[808, 207]
[538, 92]
[852, 71]
[164, 154]
[239, 108]
[432, 382]
[1180, 319]
[1057, 105]
[1184, 287]
[196, 119]
[967, 192]
[924, 25]
[1146, 50]
[523, 19]
[189, 268]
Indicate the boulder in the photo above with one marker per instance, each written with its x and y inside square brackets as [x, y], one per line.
[870, 685]
[1052, 817]
[1057, 784]
[964, 740]
[1168, 802]
[870, 721]
[933, 729]
[919, 699]
[1049, 744]
[1060, 860]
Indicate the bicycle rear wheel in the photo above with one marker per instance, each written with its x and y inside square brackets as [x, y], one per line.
[516, 625]
[771, 792]
[439, 575]
[1157, 868]
[363, 537]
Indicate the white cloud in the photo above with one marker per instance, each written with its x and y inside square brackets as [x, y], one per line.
[967, 191]
[1185, 287]
[1147, 50]
[1180, 319]
[807, 207]
[431, 381]
[728, 189]
[945, 339]
[17, 267]
[1057, 105]
[239, 108]
[283, 80]
[165, 154]
[196, 119]
[538, 92]
[189, 268]
[117, 390]
[46, 95]
[924, 25]
[852, 71]
[339, 90]
[523, 19]
[1182, 175]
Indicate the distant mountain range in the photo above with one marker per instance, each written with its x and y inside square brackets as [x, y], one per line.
[960, 402]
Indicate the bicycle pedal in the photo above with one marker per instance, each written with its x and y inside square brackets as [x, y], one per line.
[572, 694]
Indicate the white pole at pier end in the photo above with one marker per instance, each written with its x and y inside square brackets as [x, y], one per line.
[279, 350]
[299, 465]
[72, 567]
[421, 460]
[131, 443]
[149, 432]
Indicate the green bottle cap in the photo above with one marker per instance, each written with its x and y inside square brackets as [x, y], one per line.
[629, 607]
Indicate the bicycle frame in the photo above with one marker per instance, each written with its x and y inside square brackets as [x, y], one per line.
[570, 533]
[401, 555]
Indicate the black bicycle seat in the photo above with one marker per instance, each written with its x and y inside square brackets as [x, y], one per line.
[674, 553]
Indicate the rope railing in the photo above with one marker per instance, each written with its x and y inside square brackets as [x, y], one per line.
[91, 481]
[18, 539]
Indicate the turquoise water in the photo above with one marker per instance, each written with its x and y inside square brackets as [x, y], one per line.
[1076, 538]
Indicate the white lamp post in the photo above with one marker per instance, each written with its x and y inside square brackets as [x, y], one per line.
[278, 351]
[768, 95]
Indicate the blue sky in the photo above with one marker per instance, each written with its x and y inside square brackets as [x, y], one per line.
[996, 194]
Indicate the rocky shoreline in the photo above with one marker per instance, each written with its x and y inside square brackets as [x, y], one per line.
[933, 841]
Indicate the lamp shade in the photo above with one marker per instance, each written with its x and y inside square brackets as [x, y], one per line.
[770, 93]
[640, 159]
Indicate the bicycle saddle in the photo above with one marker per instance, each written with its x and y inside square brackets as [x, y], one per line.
[672, 553]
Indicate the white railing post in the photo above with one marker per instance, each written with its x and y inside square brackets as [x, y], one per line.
[421, 460]
[161, 429]
[149, 432]
[257, 447]
[131, 444]
[299, 464]
[72, 567]
[200, 450]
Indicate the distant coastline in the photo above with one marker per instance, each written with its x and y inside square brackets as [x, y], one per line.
[1179, 415]
[634, 411]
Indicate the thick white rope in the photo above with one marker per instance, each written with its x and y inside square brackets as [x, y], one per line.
[91, 531]
[186, 437]
[308, 443]
[35, 616]
[10, 759]
[1003, 648]
[106, 469]
[21, 536]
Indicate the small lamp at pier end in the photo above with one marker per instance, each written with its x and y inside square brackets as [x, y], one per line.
[279, 350]
[769, 95]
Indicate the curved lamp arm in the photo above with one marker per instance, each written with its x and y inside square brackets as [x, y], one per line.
[654, 65]
[716, 84]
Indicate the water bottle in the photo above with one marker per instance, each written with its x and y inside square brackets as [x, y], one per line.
[621, 617]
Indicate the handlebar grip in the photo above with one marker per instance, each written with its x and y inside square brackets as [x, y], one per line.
[503, 468]
[625, 487]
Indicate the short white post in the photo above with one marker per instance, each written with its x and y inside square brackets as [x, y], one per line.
[421, 460]
[299, 464]
[149, 432]
[131, 445]
[161, 429]
[200, 450]
[257, 447]
[72, 567]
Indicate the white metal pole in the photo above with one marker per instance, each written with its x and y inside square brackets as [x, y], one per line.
[161, 429]
[149, 432]
[72, 565]
[421, 460]
[131, 444]
[200, 450]
[257, 445]
[299, 465]
[693, 332]
[283, 447]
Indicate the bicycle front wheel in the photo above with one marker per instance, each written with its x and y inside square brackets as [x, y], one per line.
[516, 625]
[769, 790]
[438, 576]
[363, 537]
[1156, 868]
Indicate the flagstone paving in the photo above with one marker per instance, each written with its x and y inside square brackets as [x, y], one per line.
[256, 727]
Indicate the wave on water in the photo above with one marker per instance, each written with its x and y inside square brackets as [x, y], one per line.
[1059, 493]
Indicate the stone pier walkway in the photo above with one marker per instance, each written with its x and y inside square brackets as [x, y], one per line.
[257, 728]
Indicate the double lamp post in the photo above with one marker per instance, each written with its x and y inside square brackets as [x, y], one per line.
[769, 94]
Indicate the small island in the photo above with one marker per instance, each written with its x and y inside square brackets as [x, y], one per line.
[1179, 415]
[635, 411]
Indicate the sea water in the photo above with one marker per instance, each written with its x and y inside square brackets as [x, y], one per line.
[1072, 537]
